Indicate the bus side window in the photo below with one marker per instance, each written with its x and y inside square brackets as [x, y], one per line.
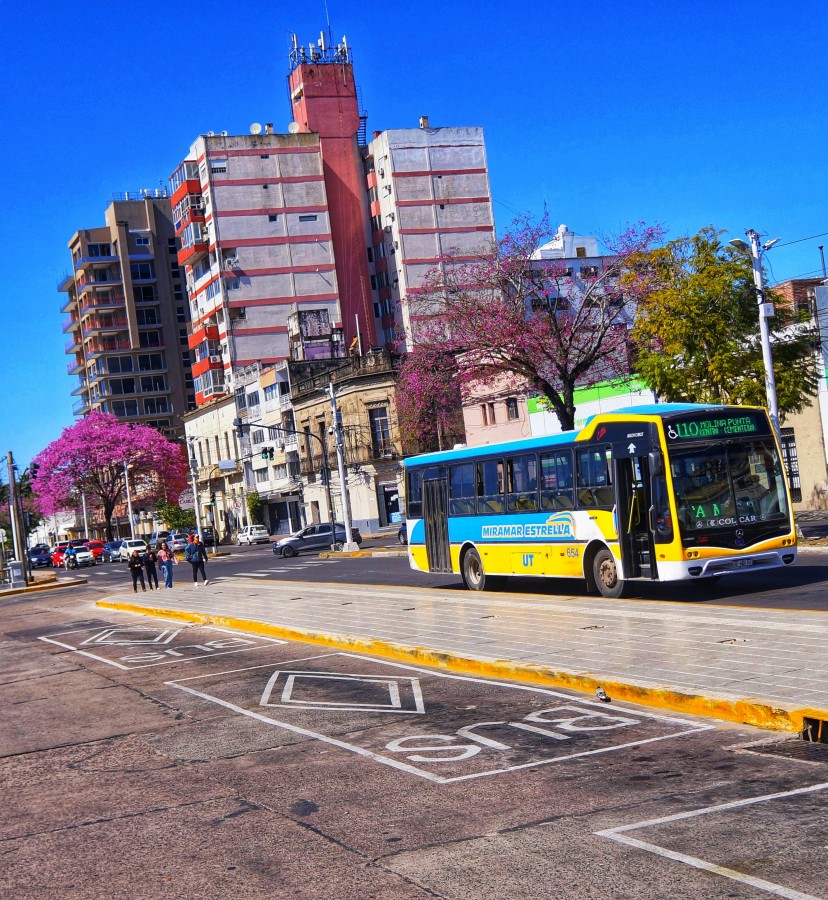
[556, 480]
[594, 483]
[490, 486]
[414, 494]
[522, 479]
[461, 490]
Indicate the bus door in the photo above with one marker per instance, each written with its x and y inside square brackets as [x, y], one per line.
[633, 501]
[435, 519]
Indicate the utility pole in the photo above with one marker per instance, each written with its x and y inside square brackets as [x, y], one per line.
[17, 526]
[336, 415]
[193, 472]
[129, 502]
[756, 249]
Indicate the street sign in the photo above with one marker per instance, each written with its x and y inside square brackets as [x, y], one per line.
[186, 500]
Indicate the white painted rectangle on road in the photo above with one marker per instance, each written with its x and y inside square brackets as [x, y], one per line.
[140, 646]
[435, 725]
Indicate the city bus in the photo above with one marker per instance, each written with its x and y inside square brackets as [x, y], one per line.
[663, 492]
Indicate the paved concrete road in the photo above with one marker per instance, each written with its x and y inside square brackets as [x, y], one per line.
[139, 757]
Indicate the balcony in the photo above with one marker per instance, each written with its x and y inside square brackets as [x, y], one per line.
[74, 367]
[85, 262]
[105, 323]
[69, 302]
[80, 387]
[69, 323]
[96, 300]
[80, 407]
[94, 348]
[111, 280]
[73, 344]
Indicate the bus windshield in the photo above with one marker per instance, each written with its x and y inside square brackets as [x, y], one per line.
[725, 484]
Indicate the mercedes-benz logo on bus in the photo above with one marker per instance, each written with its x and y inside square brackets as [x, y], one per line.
[740, 538]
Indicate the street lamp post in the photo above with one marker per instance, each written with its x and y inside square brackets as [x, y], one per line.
[193, 481]
[336, 415]
[129, 502]
[756, 251]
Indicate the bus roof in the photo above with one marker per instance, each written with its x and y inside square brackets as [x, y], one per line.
[662, 410]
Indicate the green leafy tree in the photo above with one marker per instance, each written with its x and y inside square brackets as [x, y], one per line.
[255, 506]
[696, 332]
[174, 516]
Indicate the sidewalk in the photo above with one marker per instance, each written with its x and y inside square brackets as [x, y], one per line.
[761, 667]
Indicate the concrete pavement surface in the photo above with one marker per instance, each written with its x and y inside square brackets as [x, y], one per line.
[755, 666]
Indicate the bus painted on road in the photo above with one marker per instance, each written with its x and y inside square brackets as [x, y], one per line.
[663, 492]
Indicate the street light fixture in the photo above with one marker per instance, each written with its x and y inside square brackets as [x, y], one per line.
[756, 251]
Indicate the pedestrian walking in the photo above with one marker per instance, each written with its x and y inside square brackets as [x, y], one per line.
[196, 555]
[150, 559]
[136, 569]
[167, 559]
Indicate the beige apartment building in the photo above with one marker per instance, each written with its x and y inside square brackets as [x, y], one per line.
[127, 316]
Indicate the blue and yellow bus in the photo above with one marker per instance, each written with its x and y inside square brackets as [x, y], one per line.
[665, 492]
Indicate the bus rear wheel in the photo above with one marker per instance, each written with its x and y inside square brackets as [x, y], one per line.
[605, 573]
[474, 575]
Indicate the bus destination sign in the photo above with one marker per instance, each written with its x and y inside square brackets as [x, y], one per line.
[722, 425]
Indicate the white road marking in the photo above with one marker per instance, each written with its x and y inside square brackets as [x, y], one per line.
[618, 834]
[689, 727]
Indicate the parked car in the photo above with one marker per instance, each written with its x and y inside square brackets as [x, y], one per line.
[97, 548]
[314, 537]
[57, 552]
[76, 556]
[40, 556]
[127, 547]
[111, 551]
[402, 534]
[157, 538]
[177, 542]
[253, 534]
[208, 536]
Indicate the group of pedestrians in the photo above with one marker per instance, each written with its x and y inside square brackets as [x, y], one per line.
[140, 563]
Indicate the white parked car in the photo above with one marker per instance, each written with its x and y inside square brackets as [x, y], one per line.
[127, 548]
[253, 534]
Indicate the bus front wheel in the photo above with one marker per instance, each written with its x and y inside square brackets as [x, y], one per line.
[605, 573]
[474, 575]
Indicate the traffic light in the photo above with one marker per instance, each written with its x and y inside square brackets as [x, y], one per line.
[270, 452]
[265, 453]
[213, 497]
[238, 425]
[33, 471]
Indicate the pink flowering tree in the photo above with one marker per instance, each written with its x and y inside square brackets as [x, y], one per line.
[88, 460]
[544, 323]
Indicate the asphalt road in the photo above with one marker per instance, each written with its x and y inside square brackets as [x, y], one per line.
[804, 586]
[140, 757]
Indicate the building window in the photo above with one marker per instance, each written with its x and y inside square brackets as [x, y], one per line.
[142, 241]
[150, 339]
[218, 166]
[146, 316]
[492, 416]
[143, 293]
[153, 383]
[273, 217]
[149, 362]
[307, 218]
[142, 271]
[512, 409]
[155, 405]
[117, 364]
[122, 386]
[380, 432]
[580, 252]
[123, 408]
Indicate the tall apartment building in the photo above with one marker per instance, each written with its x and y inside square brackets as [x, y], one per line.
[430, 197]
[314, 220]
[127, 315]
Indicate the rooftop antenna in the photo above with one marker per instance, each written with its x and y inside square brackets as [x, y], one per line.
[328, 20]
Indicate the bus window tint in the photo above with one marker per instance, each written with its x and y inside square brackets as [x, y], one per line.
[461, 490]
[414, 494]
[556, 480]
[522, 481]
[661, 508]
[490, 486]
[702, 485]
[758, 481]
[594, 484]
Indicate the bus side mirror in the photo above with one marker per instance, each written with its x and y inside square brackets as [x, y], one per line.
[656, 462]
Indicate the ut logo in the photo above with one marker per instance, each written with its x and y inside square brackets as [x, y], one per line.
[527, 560]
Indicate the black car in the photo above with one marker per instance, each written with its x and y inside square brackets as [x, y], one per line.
[208, 536]
[40, 556]
[402, 534]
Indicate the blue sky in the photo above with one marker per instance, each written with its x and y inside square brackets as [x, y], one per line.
[610, 112]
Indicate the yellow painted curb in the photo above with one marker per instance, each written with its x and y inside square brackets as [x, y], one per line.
[745, 710]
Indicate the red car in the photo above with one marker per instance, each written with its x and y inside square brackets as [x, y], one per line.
[57, 553]
[96, 548]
